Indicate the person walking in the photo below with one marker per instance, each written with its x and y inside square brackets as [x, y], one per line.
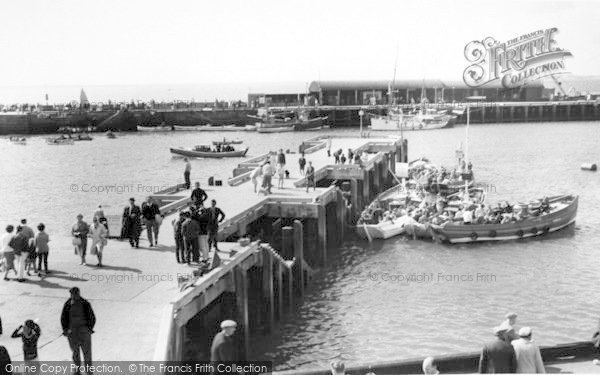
[132, 225]
[20, 246]
[190, 230]
[302, 164]
[99, 213]
[198, 195]
[27, 231]
[8, 252]
[256, 173]
[29, 332]
[150, 213]
[498, 356]
[78, 321]
[80, 231]
[267, 172]
[179, 241]
[310, 176]
[98, 234]
[41, 247]
[215, 216]
[224, 347]
[529, 358]
[186, 173]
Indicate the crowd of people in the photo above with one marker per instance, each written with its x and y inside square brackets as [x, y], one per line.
[275, 165]
[21, 247]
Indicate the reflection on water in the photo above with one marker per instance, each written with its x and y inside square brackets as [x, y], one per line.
[387, 300]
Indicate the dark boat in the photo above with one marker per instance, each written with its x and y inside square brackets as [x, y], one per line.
[562, 212]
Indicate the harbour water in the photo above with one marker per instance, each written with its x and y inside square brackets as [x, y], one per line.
[362, 307]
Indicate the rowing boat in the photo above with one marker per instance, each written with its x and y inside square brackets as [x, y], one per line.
[562, 213]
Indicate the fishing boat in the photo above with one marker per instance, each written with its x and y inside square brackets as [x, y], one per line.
[159, 128]
[203, 151]
[561, 212]
[397, 120]
[18, 140]
[59, 141]
[288, 121]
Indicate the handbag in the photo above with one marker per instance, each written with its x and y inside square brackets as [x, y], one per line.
[76, 241]
[158, 218]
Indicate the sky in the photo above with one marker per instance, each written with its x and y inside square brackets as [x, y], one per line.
[252, 45]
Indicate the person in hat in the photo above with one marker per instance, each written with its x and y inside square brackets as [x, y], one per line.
[224, 347]
[77, 321]
[498, 356]
[337, 368]
[29, 333]
[132, 225]
[509, 325]
[529, 358]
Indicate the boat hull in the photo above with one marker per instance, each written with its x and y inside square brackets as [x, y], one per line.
[311, 124]
[58, 142]
[530, 227]
[208, 154]
[381, 231]
[154, 128]
[278, 129]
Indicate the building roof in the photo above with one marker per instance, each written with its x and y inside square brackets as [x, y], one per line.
[497, 84]
[317, 86]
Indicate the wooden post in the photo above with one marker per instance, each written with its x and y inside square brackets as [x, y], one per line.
[354, 191]
[287, 242]
[526, 110]
[299, 254]
[497, 113]
[483, 114]
[568, 112]
[377, 178]
[541, 113]
[267, 287]
[279, 278]
[365, 192]
[554, 112]
[512, 113]
[340, 215]
[241, 302]
[290, 288]
[322, 234]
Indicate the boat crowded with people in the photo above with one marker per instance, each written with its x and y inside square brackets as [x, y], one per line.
[219, 150]
[511, 222]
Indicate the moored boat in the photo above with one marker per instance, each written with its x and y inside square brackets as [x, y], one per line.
[18, 140]
[275, 129]
[207, 152]
[82, 137]
[59, 141]
[561, 212]
[110, 134]
[226, 141]
[159, 128]
[209, 128]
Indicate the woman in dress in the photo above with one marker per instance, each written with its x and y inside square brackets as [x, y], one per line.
[98, 234]
[8, 252]
[41, 246]
[280, 176]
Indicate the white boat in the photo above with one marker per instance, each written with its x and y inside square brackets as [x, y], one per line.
[160, 128]
[59, 141]
[250, 128]
[210, 128]
[18, 140]
[397, 120]
[275, 129]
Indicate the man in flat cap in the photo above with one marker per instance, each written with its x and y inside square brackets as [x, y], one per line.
[224, 348]
[509, 325]
[529, 358]
[498, 356]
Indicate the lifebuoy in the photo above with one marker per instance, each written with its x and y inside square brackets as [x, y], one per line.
[474, 236]
[546, 229]
[492, 233]
[520, 233]
[534, 230]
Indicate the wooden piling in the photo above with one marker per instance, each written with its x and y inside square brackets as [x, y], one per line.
[267, 287]
[366, 183]
[299, 255]
[287, 242]
[354, 191]
[322, 235]
[340, 215]
[279, 278]
[241, 302]
[377, 178]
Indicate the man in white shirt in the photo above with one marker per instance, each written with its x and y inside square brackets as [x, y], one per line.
[529, 358]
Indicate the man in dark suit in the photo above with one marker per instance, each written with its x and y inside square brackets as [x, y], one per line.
[132, 224]
[77, 321]
[498, 356]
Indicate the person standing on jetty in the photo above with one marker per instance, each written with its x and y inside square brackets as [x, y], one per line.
[80, 231]
[201, 216]
[224, 348]
[529, 358]
[281, 159]
[186, 173]
[29, 333]
[41, 247]
[498, 356]
[256, 173]
[190, 229]
[132, 225]
[78, 321]
[98, 233]
[198, 195]
[179, 241]
[310, 176]
[302, 164]
[8, 252]
[151, 212]
[20, 245]
[215, 216]
[267, 172]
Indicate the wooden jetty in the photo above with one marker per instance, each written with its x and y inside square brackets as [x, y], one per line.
[260, 278]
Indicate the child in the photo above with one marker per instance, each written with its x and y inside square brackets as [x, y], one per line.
[29, 334]
[41, 247]
[30, 258]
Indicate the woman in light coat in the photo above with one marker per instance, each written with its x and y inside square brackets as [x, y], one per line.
[98, 234]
